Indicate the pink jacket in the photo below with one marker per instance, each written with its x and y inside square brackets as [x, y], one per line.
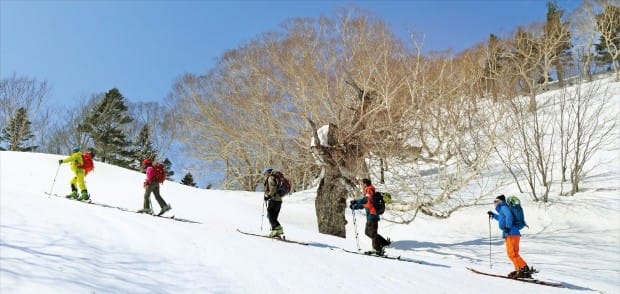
[150, 173]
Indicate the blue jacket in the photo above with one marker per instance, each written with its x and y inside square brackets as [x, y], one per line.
[505, 221]
[359, 204]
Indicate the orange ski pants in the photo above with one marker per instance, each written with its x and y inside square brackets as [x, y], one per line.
[512, 249]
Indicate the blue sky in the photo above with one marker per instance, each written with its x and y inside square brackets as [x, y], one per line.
[141, 47]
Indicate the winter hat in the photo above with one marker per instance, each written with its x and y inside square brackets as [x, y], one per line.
[501, 197]
[147, 162]
[77, 149]
[267, 170]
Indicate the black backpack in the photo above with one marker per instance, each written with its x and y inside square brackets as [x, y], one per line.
[378, 202]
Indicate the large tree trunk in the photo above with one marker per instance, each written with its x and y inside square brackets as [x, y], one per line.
[334, 187]
[330, 203]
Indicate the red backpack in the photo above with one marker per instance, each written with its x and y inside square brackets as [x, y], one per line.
[160, 172]
[283, 185]
[87, 163]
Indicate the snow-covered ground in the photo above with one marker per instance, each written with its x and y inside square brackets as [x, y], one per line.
[54, 245]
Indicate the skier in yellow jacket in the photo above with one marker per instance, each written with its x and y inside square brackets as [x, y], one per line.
[78, 181]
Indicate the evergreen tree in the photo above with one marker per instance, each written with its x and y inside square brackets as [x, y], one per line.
[18, 132]
[168, 165]
[143, 148]
[608, 24]
[188, 180]
[557, 33]
[493, 66]
[105, 126]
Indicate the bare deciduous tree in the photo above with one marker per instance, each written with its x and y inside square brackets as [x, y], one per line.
[608, 25]
[594, 123]
[22, 92]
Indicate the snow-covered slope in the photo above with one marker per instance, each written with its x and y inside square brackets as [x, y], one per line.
[55, 245]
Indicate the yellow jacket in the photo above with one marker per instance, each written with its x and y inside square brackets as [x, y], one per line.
[76, 161]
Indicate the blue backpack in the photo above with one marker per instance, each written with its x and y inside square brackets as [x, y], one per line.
[518, 218]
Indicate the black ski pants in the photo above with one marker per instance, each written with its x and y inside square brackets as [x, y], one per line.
[378, 242]
[273, 210]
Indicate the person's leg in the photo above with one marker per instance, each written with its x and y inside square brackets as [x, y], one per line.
[74, 191]
[147, 199]
[371, 232]
[158, 197]
[512, 250]
[82, 185]
[273, 211]
[80, 180]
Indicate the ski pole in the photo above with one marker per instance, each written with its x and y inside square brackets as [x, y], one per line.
[54, 182]
[490, 263]
[262, 217]
[357, 240]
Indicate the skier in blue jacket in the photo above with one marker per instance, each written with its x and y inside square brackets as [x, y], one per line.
[512, 237]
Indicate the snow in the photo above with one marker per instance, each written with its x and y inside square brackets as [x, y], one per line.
[322, 135]
[54, 245]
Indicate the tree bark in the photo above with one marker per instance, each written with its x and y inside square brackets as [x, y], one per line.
[334, 187]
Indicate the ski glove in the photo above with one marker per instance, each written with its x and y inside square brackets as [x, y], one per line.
[491, 214]
[60, 161]
[267, 197]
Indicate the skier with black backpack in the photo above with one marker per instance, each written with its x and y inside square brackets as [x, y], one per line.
[511, 221]
[370, 204]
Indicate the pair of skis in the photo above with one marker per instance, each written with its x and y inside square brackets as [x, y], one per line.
[279, 238]
[89, 201]
[527, 280]
[283, 239]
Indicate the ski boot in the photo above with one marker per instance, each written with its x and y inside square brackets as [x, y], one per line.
[164, 209]
[277, 232]
[73, 195]
[145, 210]
[84, 196]
[375, 252]
[522, 273]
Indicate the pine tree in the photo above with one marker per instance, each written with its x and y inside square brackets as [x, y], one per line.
[143, 148]
[17, 133]
[168, 165]
[608, 24]
[188, 180]
[558, 34]
[493, 66]
[105, 125]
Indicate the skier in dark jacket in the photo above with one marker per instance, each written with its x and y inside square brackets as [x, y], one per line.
[372, 218]
[273, 201]
[512, 237]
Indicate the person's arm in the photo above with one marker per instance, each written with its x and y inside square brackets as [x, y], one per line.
[359, 203]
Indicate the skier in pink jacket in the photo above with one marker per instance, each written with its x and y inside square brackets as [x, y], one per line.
[151, 185]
